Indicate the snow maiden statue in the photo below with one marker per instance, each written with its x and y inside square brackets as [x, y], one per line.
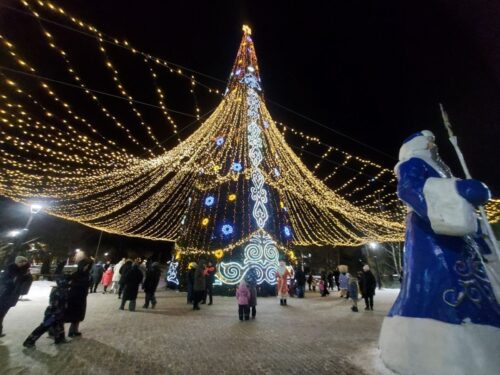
[446, 319]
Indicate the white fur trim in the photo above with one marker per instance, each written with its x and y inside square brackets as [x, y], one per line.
[416, 346]
[448, 212]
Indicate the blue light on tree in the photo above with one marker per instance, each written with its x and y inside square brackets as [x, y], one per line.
[237, 167]
[227, 229]
[219, 141]
[287, 231]
[209, 201]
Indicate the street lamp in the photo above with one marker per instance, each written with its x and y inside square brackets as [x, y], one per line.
[374, 246]
[35, 208]
[14, 233]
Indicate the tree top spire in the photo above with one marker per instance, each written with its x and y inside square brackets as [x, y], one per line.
[245, 69]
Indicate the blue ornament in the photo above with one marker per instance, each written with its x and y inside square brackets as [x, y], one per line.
[237, 167]
[219, 141]
[227, 229]
[209, 201]
[287, 231]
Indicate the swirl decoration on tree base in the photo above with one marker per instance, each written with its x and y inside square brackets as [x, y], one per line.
[261, 254]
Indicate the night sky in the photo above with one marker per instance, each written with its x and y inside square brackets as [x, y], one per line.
[374, 70]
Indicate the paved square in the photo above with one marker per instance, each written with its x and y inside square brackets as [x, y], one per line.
[313, 335]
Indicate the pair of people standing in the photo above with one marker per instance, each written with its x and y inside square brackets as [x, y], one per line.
[131, 278]
[246, 295]
[199, 280]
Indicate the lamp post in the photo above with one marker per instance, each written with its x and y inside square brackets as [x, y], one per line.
[18, 234]
[374, 246]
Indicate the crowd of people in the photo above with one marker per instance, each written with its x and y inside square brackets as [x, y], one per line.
[68, 298]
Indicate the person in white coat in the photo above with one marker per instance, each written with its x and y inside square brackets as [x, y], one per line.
[116, 275]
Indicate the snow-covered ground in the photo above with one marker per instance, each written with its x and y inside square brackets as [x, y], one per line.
[313, 335]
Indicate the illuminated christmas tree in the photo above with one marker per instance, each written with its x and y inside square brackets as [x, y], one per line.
[233, 189]
[240, 206]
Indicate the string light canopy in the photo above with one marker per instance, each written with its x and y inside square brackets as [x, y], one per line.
[234, 184]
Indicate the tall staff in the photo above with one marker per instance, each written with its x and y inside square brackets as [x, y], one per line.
[493, 273]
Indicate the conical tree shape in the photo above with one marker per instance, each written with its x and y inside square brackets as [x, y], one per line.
[255, 196]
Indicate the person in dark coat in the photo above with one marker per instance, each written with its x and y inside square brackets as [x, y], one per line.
[310, 281]
[54, 315]
[330, 280]
[324, 278]
[123, 271]
[300, 279]
[153, 274]
[367, 286]
[336, 277]
[199, 285]
[77, 297]
[190, 281]
[60, 267]
[251, 280]
[209, 273]
[131, 281]
[95, 276]
[11, 285]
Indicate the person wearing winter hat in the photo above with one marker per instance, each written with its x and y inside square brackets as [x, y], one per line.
[11, 281]
[243, 297]
[368, 285]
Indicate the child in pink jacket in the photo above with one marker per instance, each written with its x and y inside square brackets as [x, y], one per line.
[243, 298]
[107, 277]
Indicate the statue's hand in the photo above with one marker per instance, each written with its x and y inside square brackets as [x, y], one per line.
[474, 191]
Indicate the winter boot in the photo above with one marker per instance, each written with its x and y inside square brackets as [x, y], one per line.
[131, 305]
[30, 341]
[284, 302]
[281, 302]
[354, 309]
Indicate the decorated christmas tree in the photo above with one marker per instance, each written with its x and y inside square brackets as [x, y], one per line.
[252, 196]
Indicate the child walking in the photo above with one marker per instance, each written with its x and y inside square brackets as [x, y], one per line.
[107, 278]
[243, 298]
[54, 315]
[353, 292]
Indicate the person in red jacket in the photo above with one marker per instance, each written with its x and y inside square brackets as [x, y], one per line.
[107, 278]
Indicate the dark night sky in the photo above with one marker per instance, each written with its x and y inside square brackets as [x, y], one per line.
[375, 70]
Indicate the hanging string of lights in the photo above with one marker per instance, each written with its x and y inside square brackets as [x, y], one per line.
[199, 190]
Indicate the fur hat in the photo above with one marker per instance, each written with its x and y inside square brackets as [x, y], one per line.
[342, 268]
[20, 259]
